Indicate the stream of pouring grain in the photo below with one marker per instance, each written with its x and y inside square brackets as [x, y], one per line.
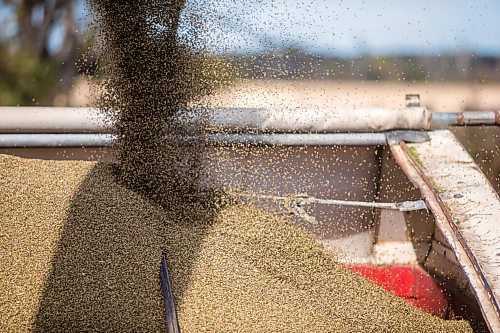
[152, 79]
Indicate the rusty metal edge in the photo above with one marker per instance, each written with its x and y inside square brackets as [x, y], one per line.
[454, 227]
[486, 299]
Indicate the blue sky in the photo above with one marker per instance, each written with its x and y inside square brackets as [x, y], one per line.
[355, 27]
[343, 28]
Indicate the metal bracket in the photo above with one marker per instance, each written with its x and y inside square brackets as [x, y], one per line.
[395, 137]
[408, 206]
[296, 207]
[412, 100]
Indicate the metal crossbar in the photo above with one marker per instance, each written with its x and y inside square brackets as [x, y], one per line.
[303, 199]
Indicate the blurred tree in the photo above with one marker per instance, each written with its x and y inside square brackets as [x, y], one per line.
[31, 71]
[25, 80]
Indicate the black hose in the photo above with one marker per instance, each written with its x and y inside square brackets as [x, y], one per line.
[168, 299]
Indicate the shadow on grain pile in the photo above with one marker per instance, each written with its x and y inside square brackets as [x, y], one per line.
[105, 274]
[234, 269]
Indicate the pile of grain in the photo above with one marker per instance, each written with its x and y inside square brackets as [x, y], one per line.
[80, 252]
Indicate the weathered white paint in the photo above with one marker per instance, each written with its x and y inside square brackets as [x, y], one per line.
[470, 200]
[469, 197]
[475, 276]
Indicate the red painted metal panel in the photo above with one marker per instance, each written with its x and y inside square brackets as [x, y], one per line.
[412, 283]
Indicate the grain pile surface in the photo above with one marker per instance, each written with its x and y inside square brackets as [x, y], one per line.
[81, 252]
[35, 196]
